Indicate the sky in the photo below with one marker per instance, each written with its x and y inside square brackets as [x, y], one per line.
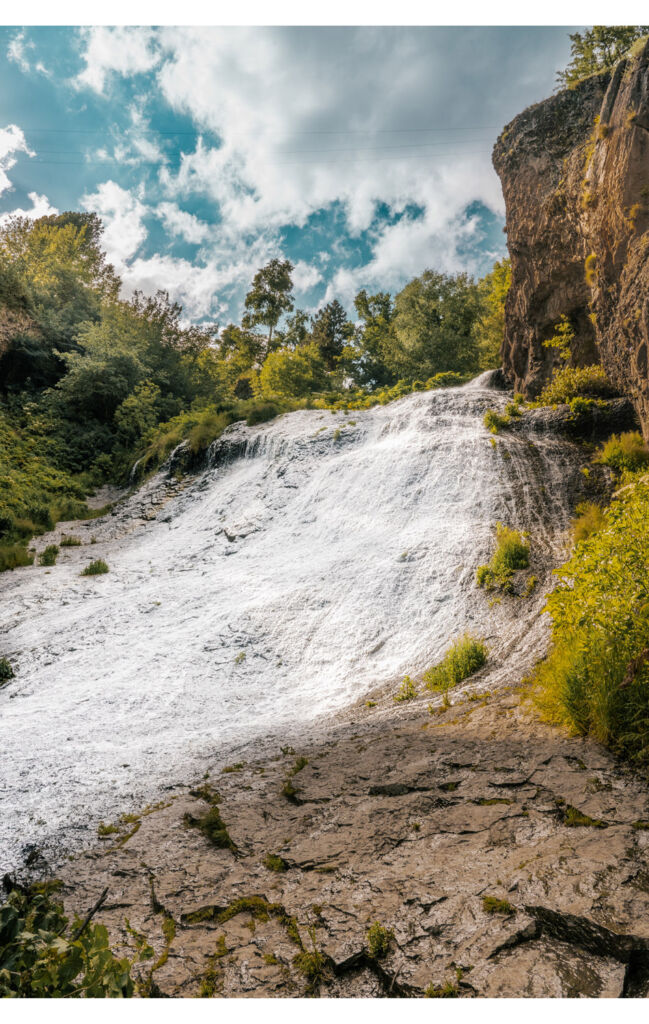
[363, 155]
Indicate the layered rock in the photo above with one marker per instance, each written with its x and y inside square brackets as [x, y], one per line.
[575, 177]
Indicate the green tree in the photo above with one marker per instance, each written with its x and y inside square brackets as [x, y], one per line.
[293, 374]
[330, 330]
[597, 49]
[270, 297]
[490, 327]
[296, 331]
[367, 360]
[434, 326]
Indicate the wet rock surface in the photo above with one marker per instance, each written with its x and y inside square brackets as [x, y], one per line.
[451, 829]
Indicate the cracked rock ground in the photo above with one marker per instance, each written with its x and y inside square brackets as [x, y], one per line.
[408, 819]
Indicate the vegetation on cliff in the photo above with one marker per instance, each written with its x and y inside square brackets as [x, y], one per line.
[597, 49]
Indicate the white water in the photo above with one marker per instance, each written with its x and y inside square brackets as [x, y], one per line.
[352, 561]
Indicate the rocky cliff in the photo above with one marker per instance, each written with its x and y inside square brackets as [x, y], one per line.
[575, 177]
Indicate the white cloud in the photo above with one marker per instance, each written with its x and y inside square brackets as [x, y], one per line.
[123, 50]
[305, 276]
[16, 51]
[123, 214]
[12, 140]
[185, 225]
[40, 208]
[294, 121]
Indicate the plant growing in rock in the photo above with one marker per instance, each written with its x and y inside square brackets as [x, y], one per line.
[378, 940]
[512, 553]
[465, 656]
[96, 568]
[48, 556]
[624, 452]
[6, 671]
[407, 691]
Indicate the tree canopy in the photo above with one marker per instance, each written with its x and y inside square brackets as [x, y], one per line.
[597, 49]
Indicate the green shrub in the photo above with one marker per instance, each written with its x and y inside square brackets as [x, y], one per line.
[14, 555]
[407, 691]
[596, 678]
[494, 421]
[262, 412]
[213, 827]
[6, 671]
[590, 518]
[70, 542]
[464, 657]
[512, 553]
[42, 956]
[571, 382]
[448, 990]
[95, 568]
[48, 556]
[274, 862]
[492, 905]
[624, 452]
[378, 941]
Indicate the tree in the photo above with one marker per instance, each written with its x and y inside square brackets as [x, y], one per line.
[434, 326]
[597, 49]
[287, 374]
[490, 327]
[330, 329]
[373, 339]
[296, 331]
[270, 297]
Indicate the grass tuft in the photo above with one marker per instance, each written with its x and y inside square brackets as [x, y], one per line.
[379, 940]
[465, 656]
[96, 568]
[512, 553]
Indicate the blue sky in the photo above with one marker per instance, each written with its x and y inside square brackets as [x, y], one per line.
[361, 154]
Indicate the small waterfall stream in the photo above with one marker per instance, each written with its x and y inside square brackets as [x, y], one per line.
[319, 557]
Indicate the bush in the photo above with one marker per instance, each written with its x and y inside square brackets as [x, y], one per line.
[13, 555]
[464, 657]
[48, 556]
[41, 956]
[70, 542]
[624, 452]
[596, 677]
[378, 940]
[494, 421]
[572, 382]
[6, 670]
[590, 518]
[407, 691]
[512, 553]
[96, 568]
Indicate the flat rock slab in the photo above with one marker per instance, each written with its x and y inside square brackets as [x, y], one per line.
[410, 822]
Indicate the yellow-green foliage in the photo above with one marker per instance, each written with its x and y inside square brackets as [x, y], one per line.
[512, 553]
[448, 990]
[378, 940]
[495, 421]
[492, 905]
[570, 382]
[590, 269]
[562, 339]
[596, 677]
[590, 518]
[464, 657]
[407, 691]
[624, 452]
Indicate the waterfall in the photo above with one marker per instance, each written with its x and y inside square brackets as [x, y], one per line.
[318, 558]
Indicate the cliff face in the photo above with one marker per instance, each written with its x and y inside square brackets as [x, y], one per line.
[575, 177]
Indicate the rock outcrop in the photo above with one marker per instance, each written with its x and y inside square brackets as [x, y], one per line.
[575, 177]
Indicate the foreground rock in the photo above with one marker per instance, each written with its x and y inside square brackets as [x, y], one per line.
[507, 858]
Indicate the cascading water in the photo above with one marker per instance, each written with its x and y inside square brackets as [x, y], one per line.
[329, 555]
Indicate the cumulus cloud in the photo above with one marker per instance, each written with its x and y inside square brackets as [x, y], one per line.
[368, 122]
[12, 141]
[16, 51]
[183, 224]
[40, 207]
[123, 214]
[305, 276]
[121, 50]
